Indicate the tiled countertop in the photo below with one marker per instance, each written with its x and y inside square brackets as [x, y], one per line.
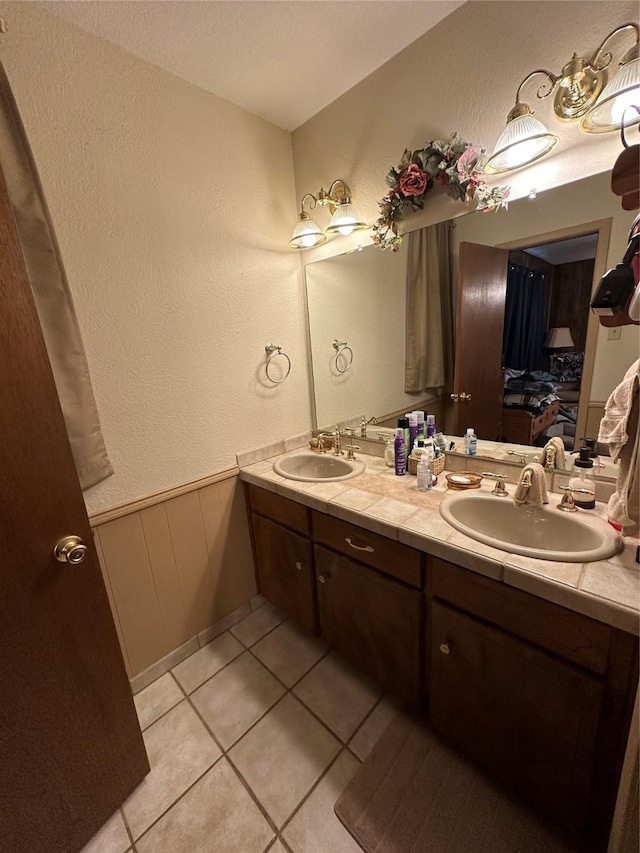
[379, 501]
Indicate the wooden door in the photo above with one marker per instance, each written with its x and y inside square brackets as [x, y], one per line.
[70, 745]
[526, 717]
[482, 291]
[373, 621]
[285, 571]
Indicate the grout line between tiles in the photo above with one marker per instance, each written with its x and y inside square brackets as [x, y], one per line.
[126, 825]
[177, 800]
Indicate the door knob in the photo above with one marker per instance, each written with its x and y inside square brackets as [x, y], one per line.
[463, 397]
[70, 549]
[445, 648]
[299, 566]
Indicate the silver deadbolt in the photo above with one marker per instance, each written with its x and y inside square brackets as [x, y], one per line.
[70, 549]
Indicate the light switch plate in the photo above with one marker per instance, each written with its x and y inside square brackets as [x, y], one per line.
[614, 333]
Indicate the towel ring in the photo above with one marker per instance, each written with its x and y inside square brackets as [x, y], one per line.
[273, 351]
[341, 347]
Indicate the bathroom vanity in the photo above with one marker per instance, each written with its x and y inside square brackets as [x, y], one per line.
[538, 694]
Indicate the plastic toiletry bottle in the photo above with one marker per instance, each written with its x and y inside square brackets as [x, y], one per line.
[420, 416]
[413, 430]
[431, 425]
[404, 423]
[470, 442]
[583, 477]
[424, 473]
[390, 452]
[400, 453]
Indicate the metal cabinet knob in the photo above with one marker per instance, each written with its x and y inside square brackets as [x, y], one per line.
[322, 579]
[445, 648]
[299, 566]
[70, 549]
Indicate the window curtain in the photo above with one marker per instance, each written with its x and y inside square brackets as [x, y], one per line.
[525, 318]
[429, 345]
[52, 295]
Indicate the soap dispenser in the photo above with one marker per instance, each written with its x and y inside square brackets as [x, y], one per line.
[583, 477]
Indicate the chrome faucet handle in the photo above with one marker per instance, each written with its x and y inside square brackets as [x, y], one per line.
[567, 503]
[383, 436]
[499, 488]
[351, 448]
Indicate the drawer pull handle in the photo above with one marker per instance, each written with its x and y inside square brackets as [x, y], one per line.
[298, 566]
[358, 547]
[322, 579]
[445, 648]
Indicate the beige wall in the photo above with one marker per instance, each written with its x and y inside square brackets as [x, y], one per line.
[463, 76]
[176, 567]
[173, 209]
[360, 298]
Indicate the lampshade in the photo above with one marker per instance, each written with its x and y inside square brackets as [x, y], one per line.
[524, 140]
[306, 234]
[559, 338]
[345, 220]
[622, 91]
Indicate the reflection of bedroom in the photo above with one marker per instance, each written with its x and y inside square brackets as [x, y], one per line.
[545, 329]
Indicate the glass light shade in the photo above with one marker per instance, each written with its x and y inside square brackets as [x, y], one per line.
[622, 91]
[345, 220]
[307, 234]
[559, 337]
[524, 140]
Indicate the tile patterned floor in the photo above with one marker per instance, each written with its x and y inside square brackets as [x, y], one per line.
[251, 740]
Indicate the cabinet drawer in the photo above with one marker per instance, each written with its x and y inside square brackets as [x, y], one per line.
[563, 632]
[279, 509]
[384, 554]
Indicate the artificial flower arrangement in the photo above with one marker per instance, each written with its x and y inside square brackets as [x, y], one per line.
[454, 164]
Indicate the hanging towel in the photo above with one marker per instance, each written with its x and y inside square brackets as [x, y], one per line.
[620, 430]
[613, 426]
[560, 458]
[536, 493]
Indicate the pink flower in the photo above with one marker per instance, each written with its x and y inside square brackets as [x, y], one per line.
[413, 181]
[467, 160]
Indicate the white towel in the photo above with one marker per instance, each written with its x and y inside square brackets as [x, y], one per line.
[622, 433]
[536, 493]
[613, 426]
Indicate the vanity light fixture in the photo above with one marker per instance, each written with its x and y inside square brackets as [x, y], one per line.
[580, 94]
[344, 220]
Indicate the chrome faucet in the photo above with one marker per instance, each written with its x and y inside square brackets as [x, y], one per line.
[364, 423]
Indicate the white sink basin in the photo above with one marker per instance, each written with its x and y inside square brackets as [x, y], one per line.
[545, 533]
[317, 467]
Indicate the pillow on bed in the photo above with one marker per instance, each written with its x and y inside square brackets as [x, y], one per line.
[567, 366]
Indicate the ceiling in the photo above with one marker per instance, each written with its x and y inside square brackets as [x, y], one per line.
[567, 251]
[284, 60]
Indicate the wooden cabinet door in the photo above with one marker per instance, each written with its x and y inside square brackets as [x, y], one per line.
[71, 750]
[372, 620]
[522, 714]
[285, 571]
[482, 292]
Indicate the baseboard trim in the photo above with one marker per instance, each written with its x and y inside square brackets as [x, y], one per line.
[102, 517]
[151, 673]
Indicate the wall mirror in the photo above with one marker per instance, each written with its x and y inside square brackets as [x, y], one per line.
[359, 299]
